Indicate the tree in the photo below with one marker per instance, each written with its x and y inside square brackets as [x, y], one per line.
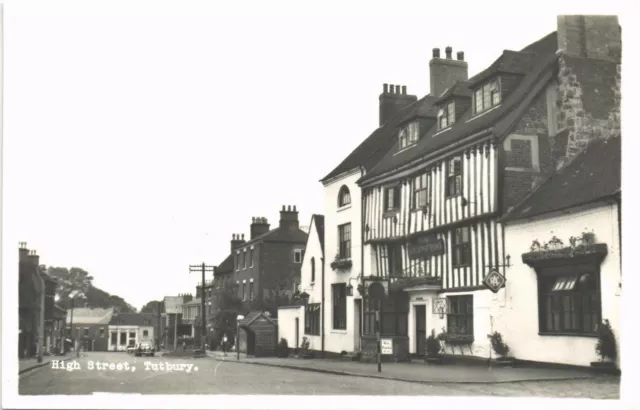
[278, 290]
[152, 307]
[74, 280]
[228, 306]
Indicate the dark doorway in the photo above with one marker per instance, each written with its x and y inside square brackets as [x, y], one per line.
[421, 329]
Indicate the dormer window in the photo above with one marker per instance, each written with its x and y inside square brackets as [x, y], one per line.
[487, 96]
[408, 135]
[446, 116]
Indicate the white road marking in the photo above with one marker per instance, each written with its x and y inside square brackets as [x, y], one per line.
[216, 369]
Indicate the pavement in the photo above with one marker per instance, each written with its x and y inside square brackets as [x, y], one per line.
[415, 371]
[111, 372]
[32, 363]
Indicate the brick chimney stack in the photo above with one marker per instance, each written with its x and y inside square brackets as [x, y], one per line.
[590, 36]
[259, 226]
[445, 72]
[237, 240]
[289, 218]
[23, 252]
[393, 99]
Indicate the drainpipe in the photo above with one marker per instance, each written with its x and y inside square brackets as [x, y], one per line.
[322, 304]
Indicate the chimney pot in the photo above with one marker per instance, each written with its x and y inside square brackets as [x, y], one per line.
[289, 208]
[461, 55]
[436, 53]
[385, 88]
[448, 52]
[404, 90]
[283, 208]
[253, 219]
[294, 208]
[392, 90]
[243, 237]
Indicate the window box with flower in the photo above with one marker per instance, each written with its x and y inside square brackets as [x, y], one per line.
[341, 263]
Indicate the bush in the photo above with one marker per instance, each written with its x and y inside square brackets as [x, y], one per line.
[606, 346]
[433, 344]
[498, 345]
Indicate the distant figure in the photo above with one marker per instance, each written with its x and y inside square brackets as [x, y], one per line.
[184, 346]
[224, 344]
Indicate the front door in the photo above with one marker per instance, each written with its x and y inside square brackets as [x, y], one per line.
[357, 314]
[421, 329]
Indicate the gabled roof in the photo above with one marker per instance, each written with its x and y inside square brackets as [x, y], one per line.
[497, 121]
[90, 316]
[459, 89]
[374, 147]
[594, 174]
[318, 222]
[131, 319]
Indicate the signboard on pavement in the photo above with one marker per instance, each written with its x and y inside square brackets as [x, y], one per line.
[386, 346]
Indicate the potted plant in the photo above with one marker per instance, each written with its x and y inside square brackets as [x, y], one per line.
[283, 348]
[305, 353]
[340, 264]
[606, 348]
[433, 348]
[588, 238]
[502, 350]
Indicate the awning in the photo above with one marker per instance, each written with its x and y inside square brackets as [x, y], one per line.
[564, 283]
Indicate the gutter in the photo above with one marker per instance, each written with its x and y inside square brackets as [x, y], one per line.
[445, 151]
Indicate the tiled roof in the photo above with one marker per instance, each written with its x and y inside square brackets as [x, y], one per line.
[280, 235]
[512, 62]
[226, 266]
[131, 319]
[318, 222]
[500, 118]
[374, 147]
[592, 175]
[459, 89]
[90, 316]
[543, 46]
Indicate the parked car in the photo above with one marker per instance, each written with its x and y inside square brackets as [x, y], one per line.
[131, 348]
[145, 349]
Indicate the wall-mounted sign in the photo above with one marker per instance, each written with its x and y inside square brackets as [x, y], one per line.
[494, 281]
[386, 346]
[425, 247]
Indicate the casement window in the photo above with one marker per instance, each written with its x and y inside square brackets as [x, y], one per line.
[250, 290]
[392, 198]
[344, 236]
[570, 303]
[460, 315]
[393, 316]
[461, 247]
[339, 295]
[454, 177]
[250, 257]
[408, 135]
[395, 259]
[384, 260]
[313, 270]
[344, 196]
[312, 319]
[446, 116]
[487, 96]
[297, 256]
[420, 193]
[145, 333]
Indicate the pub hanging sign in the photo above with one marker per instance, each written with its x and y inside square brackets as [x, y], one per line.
[494, 281]
[425, 247]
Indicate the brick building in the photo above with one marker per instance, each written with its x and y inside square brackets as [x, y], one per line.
[89, 327]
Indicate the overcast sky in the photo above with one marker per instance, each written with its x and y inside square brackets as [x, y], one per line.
[139, 136]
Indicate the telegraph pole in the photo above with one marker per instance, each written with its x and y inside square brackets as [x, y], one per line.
[202, 268]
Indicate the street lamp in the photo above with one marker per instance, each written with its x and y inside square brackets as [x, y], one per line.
[238, 319]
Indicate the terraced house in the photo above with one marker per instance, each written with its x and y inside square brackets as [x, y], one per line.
[461, 157]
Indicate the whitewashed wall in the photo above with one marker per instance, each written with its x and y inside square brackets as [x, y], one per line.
[314, 289]
[341, 340]
[488, 313]
[521, 332]
[287, 324]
